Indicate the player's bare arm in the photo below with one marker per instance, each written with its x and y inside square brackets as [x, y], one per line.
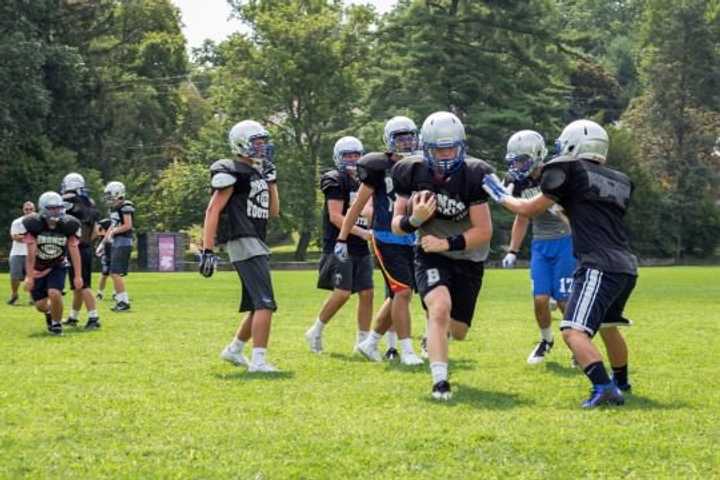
[364, 194]
[217, 202]
[337, 218]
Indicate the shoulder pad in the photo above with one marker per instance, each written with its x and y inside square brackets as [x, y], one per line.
[375, 161]
[222, 174]
[127, 207]
[331, 179]
[34, 223]
[70, 225]
[224, 165]
[478, 168]
[559, 159]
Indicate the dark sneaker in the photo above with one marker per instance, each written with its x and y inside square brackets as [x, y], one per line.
[55, 328]
[392, 354]
[441, 391]
[71, 322]
[538, 353]
[619, 322]
[604, 395]
[121, 307]
[92, 323]
[12, 300]
[423, 347]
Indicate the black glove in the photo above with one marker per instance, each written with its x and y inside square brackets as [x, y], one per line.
[208, 262]
[269, 171]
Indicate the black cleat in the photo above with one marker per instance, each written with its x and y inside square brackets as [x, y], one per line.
[624, 387]
[604, 395]
[55, 328]
[441, 391]
[392, 354]
[538, 353]
[121, 307]
[12, 300]
[92, 323]
[71, 322]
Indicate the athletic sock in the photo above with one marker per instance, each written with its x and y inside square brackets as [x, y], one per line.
[362, 335]
[258, 356]
[317, 327]
[597, 374]
[92, 314]
[392, 339]
[374, 337]
[237, 345]
[439, 371]
[546, 334]
[74, 314]
[406, 345]
[620, 374]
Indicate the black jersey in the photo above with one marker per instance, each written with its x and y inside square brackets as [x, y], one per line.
[246, 213]
[83, 208]
[455, 195]
[595, 199]
[52, 242]
[547, 225]
[337, 185]
[117, 217]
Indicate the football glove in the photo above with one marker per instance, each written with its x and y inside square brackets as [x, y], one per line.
[208, 262]
[269, 171]
[509, 260]
[341, 251]
[494, 188]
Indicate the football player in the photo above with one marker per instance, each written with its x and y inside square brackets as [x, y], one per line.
[120, 234]
[394, 253]
[51, 236]
[354, 274]
[104, 251]
[82, 207]
[595, 199]
[442, 191]
[551, 259]
[244, 196]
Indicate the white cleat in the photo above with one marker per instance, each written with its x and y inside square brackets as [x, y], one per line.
[410, 359]
[237, 359]
[314, 341]
[263, 368]
[369, 350]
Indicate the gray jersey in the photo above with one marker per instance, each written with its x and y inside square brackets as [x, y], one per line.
[243, 248]
[447, 228]
[547, 225]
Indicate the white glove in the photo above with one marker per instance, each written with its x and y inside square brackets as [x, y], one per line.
[494, 188]
[509, 260]
[341, 251]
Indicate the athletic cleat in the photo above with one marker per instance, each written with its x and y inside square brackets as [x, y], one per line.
[121, 307]
[538, 353]
[441, 391]
[71, 322]
[410, 359]
[12, 300]
[314, 341]
[391, 354]
[55, 328]
[99, 295]
[620, 322]
[608, 394]
[369, 350]
[92, 323]
[263, 368]
[623, 387]
[423, 347]
[237, 359]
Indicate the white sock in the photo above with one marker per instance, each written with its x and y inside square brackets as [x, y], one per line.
[374, 338]
[362, 335]
[122, 297]
[391, 339]
[317, 327]
[406, 345]
[92, 314]
[258, 356]
[546, 334]
[74, 314]
[439, 371]
[237, 345]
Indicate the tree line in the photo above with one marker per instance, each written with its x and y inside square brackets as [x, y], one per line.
[108, 88]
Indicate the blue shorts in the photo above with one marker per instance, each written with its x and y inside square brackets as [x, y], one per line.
[551, 267]
[597, 297]
[55, 278]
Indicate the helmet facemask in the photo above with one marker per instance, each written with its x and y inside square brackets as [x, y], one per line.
[403, 142]
[441, 161]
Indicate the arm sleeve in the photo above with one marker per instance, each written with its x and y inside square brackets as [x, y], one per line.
[554, 182]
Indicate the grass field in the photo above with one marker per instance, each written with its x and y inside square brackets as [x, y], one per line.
[148, 397]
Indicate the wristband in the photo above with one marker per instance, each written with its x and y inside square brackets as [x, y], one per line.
[456, 242]
[514, 252]
[337, 240]
[406, 225]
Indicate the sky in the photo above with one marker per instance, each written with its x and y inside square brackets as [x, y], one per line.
[209, 18]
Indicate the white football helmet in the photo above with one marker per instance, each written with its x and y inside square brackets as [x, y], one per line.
[51, 205]
[114, 191]
[400, 126]
[241, 138]
[343, 146]
[443, 130]
[73, 182]
[584, 139]
[525, 150]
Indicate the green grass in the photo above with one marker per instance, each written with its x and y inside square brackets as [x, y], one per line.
[147, 396]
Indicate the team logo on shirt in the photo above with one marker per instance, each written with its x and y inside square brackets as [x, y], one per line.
[258, 202]
[50, 247]
[450, 207]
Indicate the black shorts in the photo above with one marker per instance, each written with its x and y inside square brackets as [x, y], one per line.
[55, 278]
[105, 259]
[86, 260]
[355, 275]
[463, 278]
[257, 289]
[597, 297]
[120, 260]
[396, 264]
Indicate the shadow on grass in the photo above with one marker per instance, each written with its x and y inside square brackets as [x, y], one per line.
[483, 399]
[244, 375]
[561, 370]
[345, 357]
[639, 402]
[67, 332]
